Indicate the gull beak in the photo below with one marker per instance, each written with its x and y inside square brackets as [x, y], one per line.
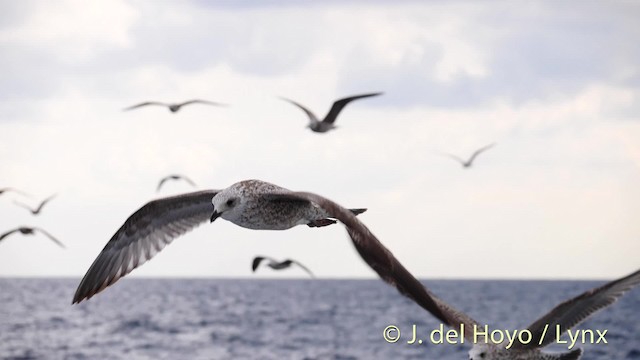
[215, 215]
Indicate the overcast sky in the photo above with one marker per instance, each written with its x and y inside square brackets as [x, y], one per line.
[555, 84]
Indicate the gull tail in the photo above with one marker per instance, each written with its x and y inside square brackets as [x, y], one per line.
[357, 211]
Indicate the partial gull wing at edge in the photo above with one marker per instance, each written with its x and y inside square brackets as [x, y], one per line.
[143, 235]
[574, 311]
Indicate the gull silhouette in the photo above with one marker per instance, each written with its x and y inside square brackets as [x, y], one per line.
[174, 107]
[467, 163]
[276, 265]
[37, 210]
[175, 177]
[327, 123]
[24, 230]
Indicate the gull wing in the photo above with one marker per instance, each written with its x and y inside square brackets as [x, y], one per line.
[376, 255]
[8, 233]
[257, 260]
[303, 267]
[574, 311]
[198, 101]
[51, 237]
[477, 152]
[340, 104]
[146, 103]
[309, 113]
[143, 235]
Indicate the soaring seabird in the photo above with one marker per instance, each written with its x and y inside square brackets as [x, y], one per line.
[251, 204]
[467, 163]
[174, 177]
[277, 265]
[327, 123]
[174, 107]
[24, 230]
[37, 210]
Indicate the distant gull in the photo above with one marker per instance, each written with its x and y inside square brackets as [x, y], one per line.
[4, 190]
[174, 177]
[276, 265]
[327, 123]
[251, 204]
[174, 107]
[37, 210]
[30, 231]
[566, 315]
[469, 162]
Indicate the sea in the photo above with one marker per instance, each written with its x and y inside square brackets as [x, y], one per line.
[141, 318]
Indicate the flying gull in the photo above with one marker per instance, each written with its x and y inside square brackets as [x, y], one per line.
[173, 107]
[37, 210]
[251, 204]
[174, 177]
[467, 163]
[276, 265]
[24, 230]
[544, 330]
[327, 123]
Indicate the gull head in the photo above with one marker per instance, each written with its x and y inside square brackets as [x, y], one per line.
[226, 204]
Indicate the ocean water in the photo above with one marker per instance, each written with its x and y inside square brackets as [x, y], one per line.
[277, 319]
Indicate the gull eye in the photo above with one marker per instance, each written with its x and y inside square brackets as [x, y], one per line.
[482, 355]
[230, 202]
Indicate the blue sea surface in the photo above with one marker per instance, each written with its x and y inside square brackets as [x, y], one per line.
[278, 319]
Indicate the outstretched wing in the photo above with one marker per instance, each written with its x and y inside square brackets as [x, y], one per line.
[477, 152]
[8, 233]
[51, 237]
[340, 104]
[257, 260]
[310, 114]
[198, 101]
[143, 235]
[146, 103]
[574, 311]
[376, 255]
[43, 203]
[303, 267]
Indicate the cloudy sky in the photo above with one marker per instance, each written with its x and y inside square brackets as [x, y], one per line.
[555, 84]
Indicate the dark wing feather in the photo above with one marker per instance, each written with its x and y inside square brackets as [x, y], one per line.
[256, 262]
[340, 104]
[144, 234]
[303, 267]
[43, 203]
[8, 233]
[146, 103]
[377, 256]
[574, 311]
[51, 237]
[310, 114]
[477, 152]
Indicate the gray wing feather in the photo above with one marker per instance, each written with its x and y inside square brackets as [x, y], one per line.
[143, 235]
[574, 311]
[8, 233]
[144, 104]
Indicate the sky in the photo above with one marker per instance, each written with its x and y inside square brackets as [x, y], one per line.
[556, 85]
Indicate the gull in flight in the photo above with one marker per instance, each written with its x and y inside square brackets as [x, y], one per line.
[24, 230]
[4, 190]
[544, 331]
[173, 107]
[252, 204]
[326, 124]
[276, 265]
[467, 163]
[37, 210]
[174, 177]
